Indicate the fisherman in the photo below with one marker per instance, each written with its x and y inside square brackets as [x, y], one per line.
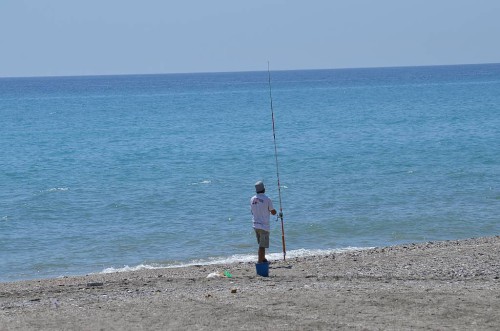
[262, 208]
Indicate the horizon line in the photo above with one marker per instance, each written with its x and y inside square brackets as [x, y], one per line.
[244, 71]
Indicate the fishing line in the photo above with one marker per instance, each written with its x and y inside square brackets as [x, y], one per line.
[280, 215]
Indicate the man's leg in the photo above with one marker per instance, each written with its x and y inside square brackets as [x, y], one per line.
[262, 254]
[263, 240]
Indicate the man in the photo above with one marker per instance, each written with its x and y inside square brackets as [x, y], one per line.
[261, 207]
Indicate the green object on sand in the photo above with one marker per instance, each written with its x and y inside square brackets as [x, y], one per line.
[227, 274]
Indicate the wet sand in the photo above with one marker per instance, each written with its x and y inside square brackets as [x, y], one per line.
[439, 285]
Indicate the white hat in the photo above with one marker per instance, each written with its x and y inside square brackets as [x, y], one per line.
[259, 186]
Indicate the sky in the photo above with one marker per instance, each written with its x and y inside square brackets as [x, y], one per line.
[102, 37]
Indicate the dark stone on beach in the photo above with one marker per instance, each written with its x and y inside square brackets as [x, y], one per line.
[95, 284]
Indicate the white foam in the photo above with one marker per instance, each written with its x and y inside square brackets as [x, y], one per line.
[55, 189]
[127, 268]
[202, 182]
[237, 258]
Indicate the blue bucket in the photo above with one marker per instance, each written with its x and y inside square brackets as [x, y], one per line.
[262, 269]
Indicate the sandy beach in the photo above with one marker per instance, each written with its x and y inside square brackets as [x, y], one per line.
[433, 285]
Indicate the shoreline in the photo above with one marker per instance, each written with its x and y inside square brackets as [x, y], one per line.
[434, 285]
[208, 262]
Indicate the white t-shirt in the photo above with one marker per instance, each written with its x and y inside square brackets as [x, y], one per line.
[261, 207]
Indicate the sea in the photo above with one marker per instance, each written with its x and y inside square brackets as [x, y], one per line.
[105, 174]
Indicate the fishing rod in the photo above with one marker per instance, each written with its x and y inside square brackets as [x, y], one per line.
[280, 215]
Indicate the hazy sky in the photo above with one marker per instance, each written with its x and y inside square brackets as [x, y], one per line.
[87, 37]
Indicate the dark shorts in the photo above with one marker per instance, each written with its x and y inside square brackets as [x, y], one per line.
[262, 238]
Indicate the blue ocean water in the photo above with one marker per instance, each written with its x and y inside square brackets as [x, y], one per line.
[119, 172]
